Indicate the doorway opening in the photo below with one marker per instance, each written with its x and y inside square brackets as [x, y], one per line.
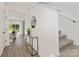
[15, 28]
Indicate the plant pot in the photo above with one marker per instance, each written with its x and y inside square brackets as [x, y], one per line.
[28, 32]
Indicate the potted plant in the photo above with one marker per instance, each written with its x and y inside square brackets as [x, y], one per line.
[28, 31]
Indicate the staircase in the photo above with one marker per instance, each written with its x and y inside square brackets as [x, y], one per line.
[64, 41]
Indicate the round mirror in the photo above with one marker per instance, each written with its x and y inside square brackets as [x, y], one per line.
[33, 22]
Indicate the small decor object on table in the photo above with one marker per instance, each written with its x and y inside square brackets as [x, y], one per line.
[28, 31]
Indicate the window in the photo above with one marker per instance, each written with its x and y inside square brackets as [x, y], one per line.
[14, 27]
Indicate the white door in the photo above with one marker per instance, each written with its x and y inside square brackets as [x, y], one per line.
[3, 28]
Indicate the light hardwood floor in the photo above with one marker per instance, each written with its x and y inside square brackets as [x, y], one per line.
[70, 51]
[16, 51]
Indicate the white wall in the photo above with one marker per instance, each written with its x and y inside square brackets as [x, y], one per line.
[1, 28]
[69, 28]
[47, 30]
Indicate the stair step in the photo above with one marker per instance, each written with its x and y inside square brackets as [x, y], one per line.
[65, 42]
[62, 36]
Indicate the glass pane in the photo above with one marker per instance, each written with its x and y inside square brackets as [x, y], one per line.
[14, 27]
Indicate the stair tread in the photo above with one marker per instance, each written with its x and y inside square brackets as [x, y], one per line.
[62, 35]
[64, 42]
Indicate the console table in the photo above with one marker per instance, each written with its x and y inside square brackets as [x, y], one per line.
[30, 47]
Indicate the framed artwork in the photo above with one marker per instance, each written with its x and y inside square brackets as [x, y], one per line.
[33, 22]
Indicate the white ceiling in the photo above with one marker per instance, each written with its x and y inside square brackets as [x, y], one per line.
[68, 8]
[23, 5]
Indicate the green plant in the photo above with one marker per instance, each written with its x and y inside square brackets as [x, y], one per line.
[28, 29]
